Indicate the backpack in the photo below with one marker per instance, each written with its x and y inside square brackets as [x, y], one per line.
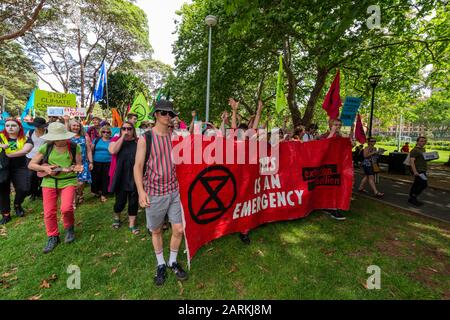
[72, 147]
[148, 148]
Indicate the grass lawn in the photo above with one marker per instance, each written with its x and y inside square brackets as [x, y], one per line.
[311, 258]
[443, 154]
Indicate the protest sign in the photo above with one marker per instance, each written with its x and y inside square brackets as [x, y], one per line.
[44, 99]
[221, 198]
[348, 114]
[71, 112]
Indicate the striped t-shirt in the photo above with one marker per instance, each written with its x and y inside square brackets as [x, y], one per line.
[160, 178]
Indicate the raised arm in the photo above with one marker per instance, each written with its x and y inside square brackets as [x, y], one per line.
[234, 106]
[258, 115]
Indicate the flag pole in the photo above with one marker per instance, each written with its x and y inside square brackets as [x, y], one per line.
[106, 78]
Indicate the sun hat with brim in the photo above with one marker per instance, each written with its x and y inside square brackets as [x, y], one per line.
[57, 131]
[39, 122]
[164, 105]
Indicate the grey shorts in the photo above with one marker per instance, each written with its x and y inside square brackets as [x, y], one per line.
[160, 206]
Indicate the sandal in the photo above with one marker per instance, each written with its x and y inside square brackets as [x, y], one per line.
[116, 223]
[362, 191]
[379, 195]
[134, 230]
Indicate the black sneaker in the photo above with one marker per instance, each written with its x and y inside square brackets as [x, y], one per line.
[415, 202]
[51, 244]
[19, 211]
[5, 219]
[179, 272]
[335, 214]
[244, 238]
[161, 275]
[70, 235]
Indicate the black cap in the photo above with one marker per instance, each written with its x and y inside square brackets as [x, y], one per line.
[164, 105]
[39, 122]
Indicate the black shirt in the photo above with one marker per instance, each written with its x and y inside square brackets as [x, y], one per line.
[19, 162]
[123, 177]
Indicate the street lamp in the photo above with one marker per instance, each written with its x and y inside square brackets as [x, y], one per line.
[374, 79]
[211, 21]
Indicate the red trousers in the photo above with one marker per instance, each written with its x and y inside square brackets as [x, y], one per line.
[50, 201]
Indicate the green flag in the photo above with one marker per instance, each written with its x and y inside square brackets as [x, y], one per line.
[281, 101]
[141, 108]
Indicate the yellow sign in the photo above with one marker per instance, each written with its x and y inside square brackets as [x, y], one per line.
[45, 99]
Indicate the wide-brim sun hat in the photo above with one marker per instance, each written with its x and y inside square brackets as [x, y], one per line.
[57, 131]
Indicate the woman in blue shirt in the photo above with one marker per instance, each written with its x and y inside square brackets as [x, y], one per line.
[102, 161]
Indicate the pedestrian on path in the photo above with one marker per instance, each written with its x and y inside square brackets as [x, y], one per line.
[370, 154]
[418, 166]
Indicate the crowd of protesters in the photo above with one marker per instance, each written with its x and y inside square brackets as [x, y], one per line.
[59, 157]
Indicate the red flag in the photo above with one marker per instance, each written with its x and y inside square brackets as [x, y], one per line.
[332, 101]
[359, 132]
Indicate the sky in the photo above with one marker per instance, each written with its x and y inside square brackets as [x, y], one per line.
[161, 21]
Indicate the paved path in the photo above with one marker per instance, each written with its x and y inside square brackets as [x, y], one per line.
[437, 202]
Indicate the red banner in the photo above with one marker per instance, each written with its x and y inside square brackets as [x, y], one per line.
[220, 198]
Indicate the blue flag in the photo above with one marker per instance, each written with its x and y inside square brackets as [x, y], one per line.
[5, 115]
[101, 84]
[28, 107]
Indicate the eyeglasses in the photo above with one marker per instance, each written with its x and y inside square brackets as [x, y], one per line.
[107, 131]
[127, 129]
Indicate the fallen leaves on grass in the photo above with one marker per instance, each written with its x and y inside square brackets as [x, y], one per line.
[201, 285]
[233, 269]
[114, 270]
[45, 284]
[180, 293]
[259, 252]
[109, 254]
[35, 297]
[262, 268]
[92, 237]
[3, 232]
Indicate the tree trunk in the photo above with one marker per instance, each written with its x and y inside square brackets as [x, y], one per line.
[321, 77]
[292, 84]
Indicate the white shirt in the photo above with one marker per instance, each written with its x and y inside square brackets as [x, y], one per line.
[37, 143]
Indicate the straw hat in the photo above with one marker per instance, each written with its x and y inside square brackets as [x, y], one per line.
[57, 131]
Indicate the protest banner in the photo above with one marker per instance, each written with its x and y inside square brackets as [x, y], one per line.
[44, 99]
[221, 198]
[348, 114]
[71, 112]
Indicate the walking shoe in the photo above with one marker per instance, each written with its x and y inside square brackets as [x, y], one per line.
[5, 219]
[179, 272]
[51, 244]
[70, 235]
[19, 211]
[335, 214]
[161, 275]
[244, 238]
[415, 202]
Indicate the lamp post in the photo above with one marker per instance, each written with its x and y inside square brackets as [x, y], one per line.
[211, 21]
[374, 79]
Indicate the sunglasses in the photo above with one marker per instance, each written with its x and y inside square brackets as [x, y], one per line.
[165, 113]
[106, 132]
[127, 128]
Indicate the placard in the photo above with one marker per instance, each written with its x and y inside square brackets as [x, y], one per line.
[351, 106]
[43, 99]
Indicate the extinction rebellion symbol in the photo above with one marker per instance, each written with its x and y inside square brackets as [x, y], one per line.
[141, 112]
[219, 186]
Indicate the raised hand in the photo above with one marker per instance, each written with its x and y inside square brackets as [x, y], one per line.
[233, 104]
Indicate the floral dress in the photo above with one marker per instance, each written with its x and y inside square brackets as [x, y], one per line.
[85, 175]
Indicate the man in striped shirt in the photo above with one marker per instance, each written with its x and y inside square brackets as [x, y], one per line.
[158, 189]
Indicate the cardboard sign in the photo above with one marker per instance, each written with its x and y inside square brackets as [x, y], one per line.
[45, 99]
[71, 112]
[351, 106]
[431, 155]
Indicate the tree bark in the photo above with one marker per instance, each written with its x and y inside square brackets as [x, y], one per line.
[321, 77]
[27, 26]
